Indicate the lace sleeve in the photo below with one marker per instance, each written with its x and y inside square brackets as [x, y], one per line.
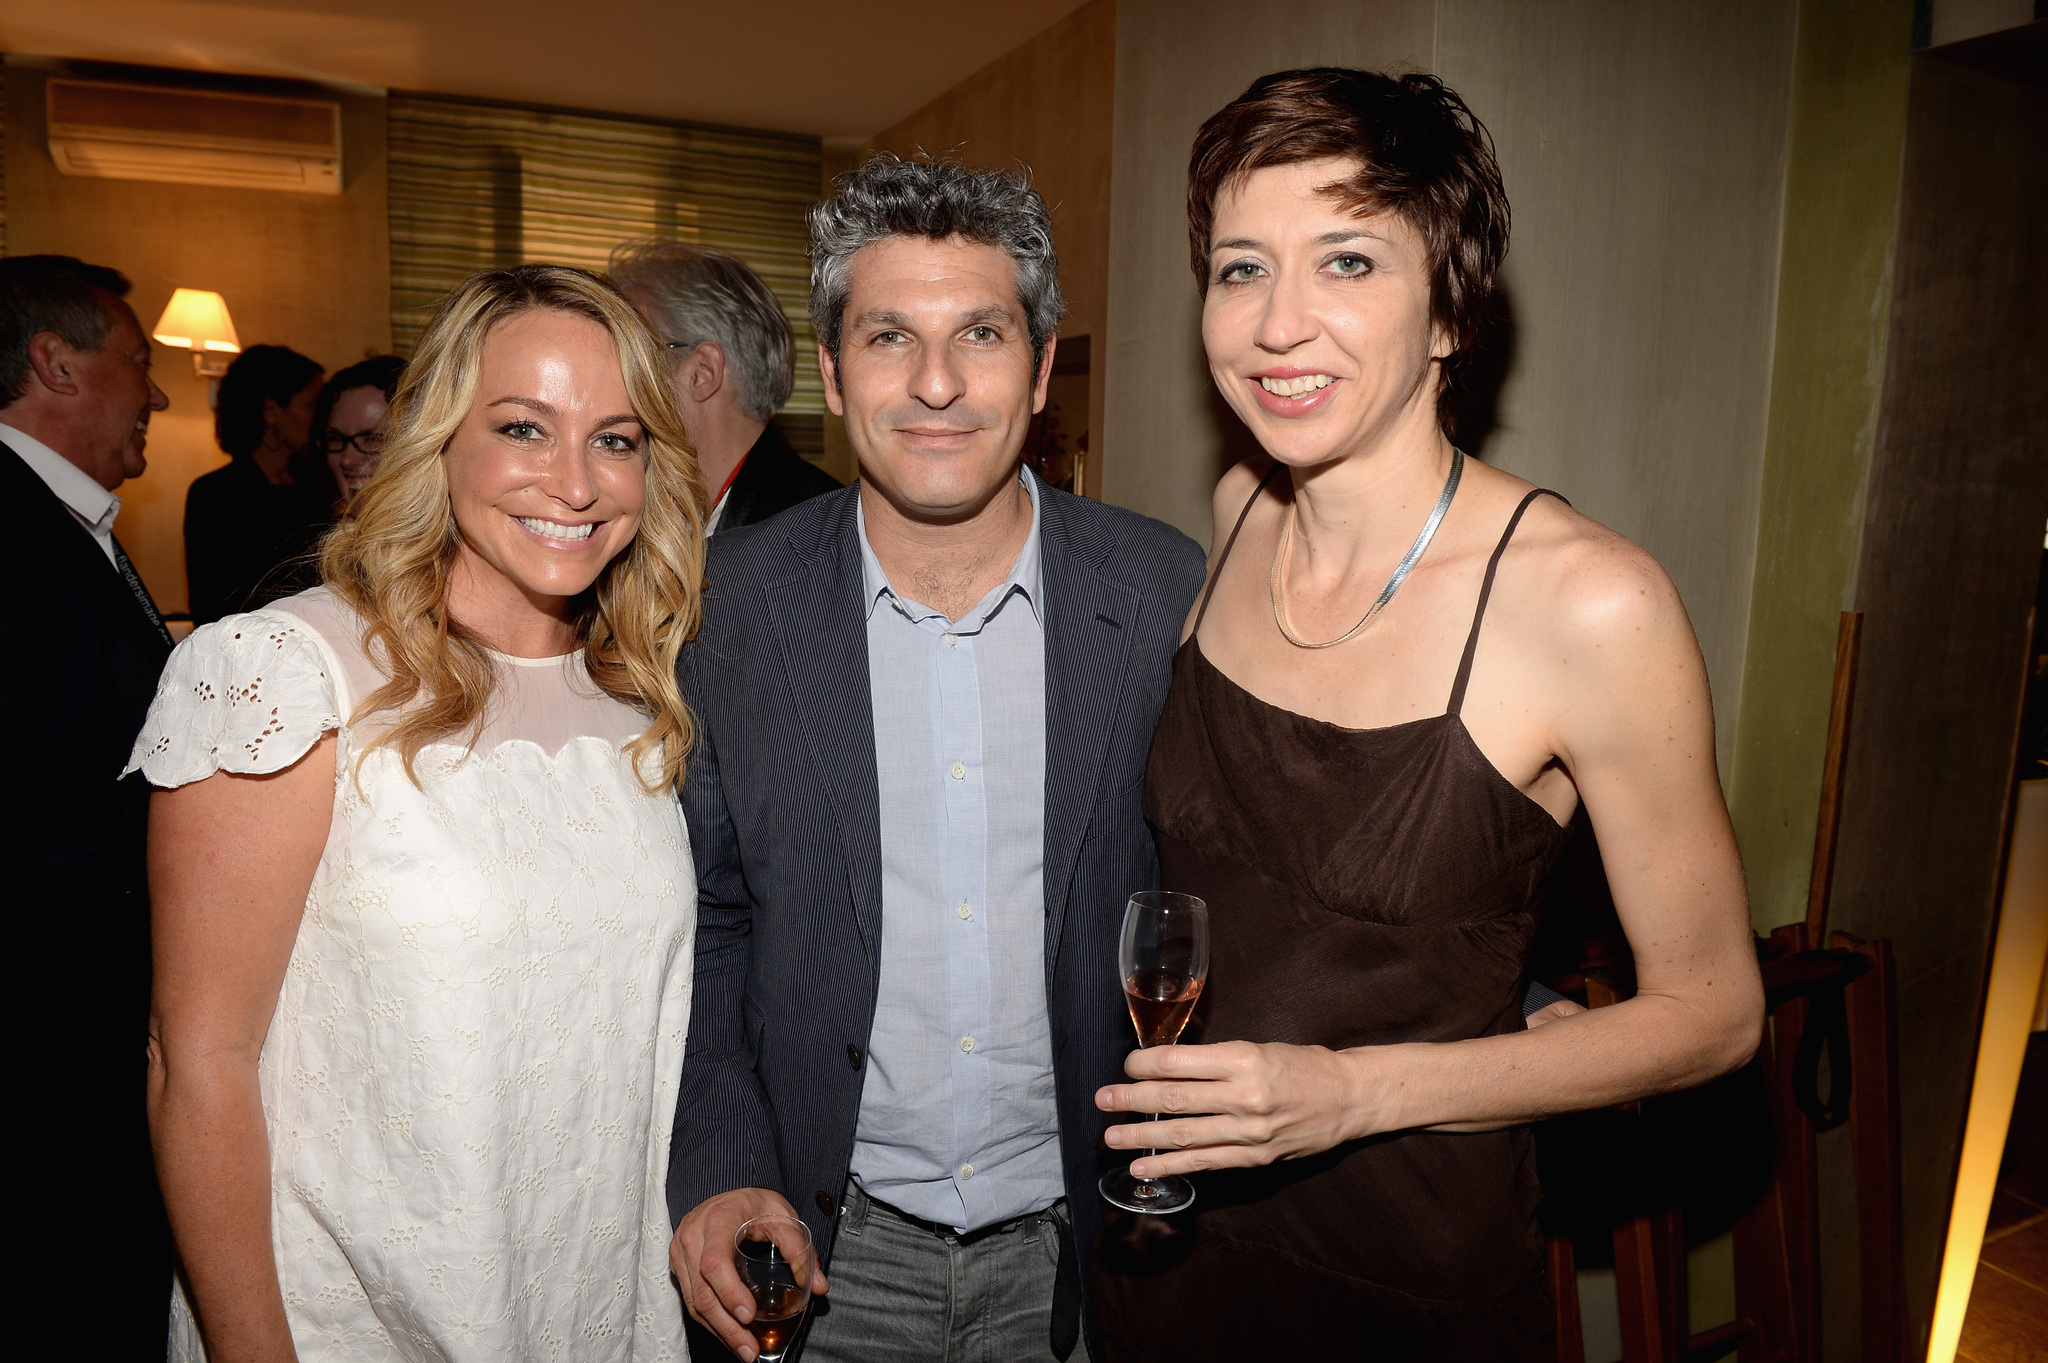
[249, 694]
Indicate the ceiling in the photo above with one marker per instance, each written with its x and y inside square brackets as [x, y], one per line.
[827, 68]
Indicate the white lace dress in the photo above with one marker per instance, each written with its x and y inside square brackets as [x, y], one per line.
[471, 1076]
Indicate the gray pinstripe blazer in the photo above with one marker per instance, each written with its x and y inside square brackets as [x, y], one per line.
[782, 809]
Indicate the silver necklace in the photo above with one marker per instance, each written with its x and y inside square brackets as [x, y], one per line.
[1279, 587]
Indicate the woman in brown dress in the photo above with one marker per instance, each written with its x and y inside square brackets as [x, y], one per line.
[1408, 672]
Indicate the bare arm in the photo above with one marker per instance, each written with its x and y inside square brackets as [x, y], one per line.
[230, 860]
[1634, 727]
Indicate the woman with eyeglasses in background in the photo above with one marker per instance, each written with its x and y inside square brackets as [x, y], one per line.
[348, 428]
[347, 441]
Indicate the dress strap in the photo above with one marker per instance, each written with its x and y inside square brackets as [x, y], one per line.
[1485, 591]
[1228, 544]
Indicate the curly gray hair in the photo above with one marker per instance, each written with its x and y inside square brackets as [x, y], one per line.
[936, 199]
[700, 293]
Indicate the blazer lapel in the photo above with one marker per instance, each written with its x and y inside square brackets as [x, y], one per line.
[74, 543]
[1089, 625]
[822, 631]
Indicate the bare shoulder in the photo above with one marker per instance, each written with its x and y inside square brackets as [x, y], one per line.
[1234, 489]
[1598, 595]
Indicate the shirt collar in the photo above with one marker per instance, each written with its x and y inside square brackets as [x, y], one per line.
[1025, 574]
[74, 487]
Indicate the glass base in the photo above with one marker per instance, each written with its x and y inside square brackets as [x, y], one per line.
[1147, 1196]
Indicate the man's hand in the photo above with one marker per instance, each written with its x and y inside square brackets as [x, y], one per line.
[700, 1256]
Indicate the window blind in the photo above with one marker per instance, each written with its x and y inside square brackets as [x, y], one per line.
[474, 185]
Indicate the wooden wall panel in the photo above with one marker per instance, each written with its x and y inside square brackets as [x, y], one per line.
[1047, 103]
[1957, 499]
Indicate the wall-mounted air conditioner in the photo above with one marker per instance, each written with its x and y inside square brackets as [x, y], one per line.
[195, 137]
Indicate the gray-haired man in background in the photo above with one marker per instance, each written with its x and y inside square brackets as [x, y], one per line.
[734, 367]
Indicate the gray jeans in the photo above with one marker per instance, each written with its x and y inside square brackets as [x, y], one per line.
[901, 1291]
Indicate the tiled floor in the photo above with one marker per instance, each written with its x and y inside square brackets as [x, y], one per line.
[2008, 1319]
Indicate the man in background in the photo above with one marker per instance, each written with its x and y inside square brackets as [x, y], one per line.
[84, 647]
[734, 362]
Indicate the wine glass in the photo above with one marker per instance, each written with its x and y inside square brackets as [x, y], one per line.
[1164, 961]
[775, 1259]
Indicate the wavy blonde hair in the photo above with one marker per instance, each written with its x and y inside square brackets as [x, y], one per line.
[391, 562]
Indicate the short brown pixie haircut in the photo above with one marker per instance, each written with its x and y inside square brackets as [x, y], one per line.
[1421, 153]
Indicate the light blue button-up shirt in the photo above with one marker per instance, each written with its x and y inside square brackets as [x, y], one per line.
[958, 1122]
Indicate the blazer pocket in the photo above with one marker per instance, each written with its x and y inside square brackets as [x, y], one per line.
[1118, 813]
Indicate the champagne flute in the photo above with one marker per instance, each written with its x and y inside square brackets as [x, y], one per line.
[1164, 961]
[775, 1259]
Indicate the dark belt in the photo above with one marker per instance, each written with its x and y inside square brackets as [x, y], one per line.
[1066, 1283]
[945, 1232]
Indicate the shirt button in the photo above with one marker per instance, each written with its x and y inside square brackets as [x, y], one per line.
[959, 771]
[966, 1171]
[966, 1043]
[853, 1055]
[965, 912]
[952, 640]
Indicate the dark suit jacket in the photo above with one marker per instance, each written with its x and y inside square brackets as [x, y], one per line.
[83, 664]
[773, 479]
[782, 805]
[82, 660]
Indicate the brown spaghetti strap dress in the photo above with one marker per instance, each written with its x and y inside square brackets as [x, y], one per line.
[1365, 887]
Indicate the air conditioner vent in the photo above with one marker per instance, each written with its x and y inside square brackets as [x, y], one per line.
[195, 137]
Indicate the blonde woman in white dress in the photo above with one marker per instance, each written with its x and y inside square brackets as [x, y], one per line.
[423, 896]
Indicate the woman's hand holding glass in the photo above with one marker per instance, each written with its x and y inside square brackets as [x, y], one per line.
[1253, 1104]
[1258, 1103]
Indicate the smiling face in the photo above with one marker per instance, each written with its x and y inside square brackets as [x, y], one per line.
[546, 475]
[119, 395]
[934, 375]
[1317, 322]
[356, 425]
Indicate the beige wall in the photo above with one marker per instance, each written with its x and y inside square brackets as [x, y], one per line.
[1047, 104]
[309, 271]
[1946, 578]
[1643, 150]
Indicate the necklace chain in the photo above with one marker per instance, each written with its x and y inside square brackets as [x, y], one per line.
[1414, 555]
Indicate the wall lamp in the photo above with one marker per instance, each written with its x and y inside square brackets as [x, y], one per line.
[197, 320]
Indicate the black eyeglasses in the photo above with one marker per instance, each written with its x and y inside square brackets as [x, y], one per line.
[370, 442]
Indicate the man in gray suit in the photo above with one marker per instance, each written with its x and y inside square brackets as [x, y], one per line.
[925, 704]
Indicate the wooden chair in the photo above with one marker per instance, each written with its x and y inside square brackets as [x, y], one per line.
[1777, 1247]
[1839, 999]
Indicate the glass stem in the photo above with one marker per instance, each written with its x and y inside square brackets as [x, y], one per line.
[1154, 1117]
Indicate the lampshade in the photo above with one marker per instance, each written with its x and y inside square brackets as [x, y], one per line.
[197, 319]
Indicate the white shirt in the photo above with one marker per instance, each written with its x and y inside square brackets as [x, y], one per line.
[94, 506]
[717, 512]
